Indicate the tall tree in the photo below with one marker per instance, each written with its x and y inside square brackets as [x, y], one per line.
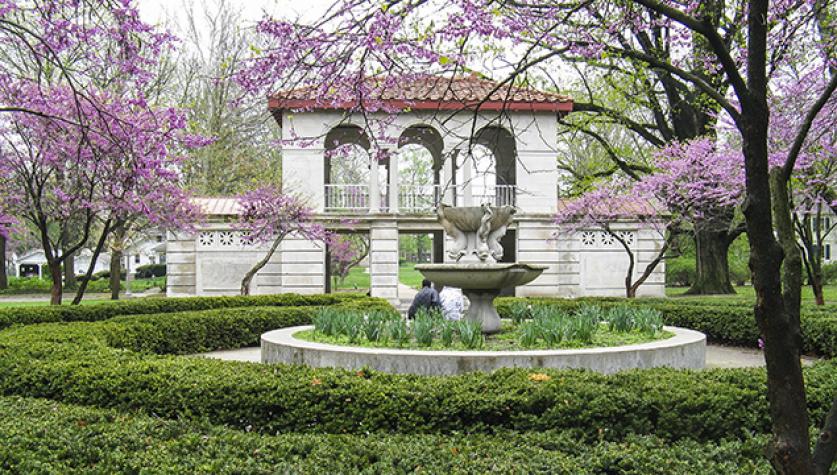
[243, 154]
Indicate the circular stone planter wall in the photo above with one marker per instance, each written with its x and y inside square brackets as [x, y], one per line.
[686, 349]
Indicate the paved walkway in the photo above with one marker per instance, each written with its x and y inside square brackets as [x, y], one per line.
[716, 356]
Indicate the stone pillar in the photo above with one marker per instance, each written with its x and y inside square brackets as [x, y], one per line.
[537, 244]
[447, 177]
[383, 259]
[394, 188]
[303, 265]
[467, 179]
[180, 264]
[303, 172]
[374, 187]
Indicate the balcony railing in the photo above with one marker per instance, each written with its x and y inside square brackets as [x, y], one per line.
[497, 195]
[413, 198]
[418, 198]
[339, 197]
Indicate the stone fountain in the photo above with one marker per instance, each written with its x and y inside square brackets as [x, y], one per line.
[476, 232]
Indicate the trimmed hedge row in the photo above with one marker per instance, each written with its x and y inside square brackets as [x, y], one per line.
[150, 305]
[45, 437]
[730, 324]
[73, 362]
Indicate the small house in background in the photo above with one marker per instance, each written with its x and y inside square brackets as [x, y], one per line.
[149, 248]
[33, 263]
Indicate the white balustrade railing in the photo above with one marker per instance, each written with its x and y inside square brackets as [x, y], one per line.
[497, 195]
[416, 198]
[340, 197]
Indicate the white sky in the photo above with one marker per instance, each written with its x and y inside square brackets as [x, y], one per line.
[158, 11]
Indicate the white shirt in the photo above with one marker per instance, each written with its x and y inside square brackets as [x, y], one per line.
[453, 303]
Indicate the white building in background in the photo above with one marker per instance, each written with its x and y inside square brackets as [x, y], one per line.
[504, 153]
[150, 248]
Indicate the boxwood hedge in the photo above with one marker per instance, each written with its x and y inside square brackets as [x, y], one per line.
[150, 305]
[46, 437]
[124, 363]
[729, 323]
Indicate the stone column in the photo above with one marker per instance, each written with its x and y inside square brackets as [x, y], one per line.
[180, 264]
[467, 179]
[302, 265]
[394, 188]
[537, 243]
[447, 177]
[383, 259]
[374, 188]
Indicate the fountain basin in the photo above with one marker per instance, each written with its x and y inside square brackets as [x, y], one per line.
[481, 283]
[686, 349]
[481, 276]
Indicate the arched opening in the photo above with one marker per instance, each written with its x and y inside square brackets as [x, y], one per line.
[494, 159]
[347, 169]
[419, 163]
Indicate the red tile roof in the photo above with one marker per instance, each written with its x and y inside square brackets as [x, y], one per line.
[221, 206]
[435, 93]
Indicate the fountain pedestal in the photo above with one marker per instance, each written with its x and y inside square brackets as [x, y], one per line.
[482, 309]
[476, 232]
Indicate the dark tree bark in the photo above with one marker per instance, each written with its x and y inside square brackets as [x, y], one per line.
[69, 261]
[712, 263]
[4, 279]
[116, 255]
[115, 272]
[789, 451]
[95, 257]
[57, 289]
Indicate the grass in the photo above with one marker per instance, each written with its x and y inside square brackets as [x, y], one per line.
[139, 285]
[747, 294]
[409, 276]
[43, 303]
[506, 340]
[358, 278]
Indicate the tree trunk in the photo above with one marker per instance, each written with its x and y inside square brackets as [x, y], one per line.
[649, 269]
[116, 255]
[816, 286]
[115, 272]
[4, 279]
[248, 277]
[789, 450]
[826, 447]
[69, 260]
[57, 289]
[712, 263]
[95, 257]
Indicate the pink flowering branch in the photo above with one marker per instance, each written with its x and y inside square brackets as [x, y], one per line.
[268, 216]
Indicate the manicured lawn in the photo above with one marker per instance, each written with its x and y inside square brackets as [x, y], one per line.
[408, 275]
[41, 303]
[747, 294]
[358, 278]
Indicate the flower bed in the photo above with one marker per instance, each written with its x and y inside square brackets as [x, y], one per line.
[727, 323]
[542, 327]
